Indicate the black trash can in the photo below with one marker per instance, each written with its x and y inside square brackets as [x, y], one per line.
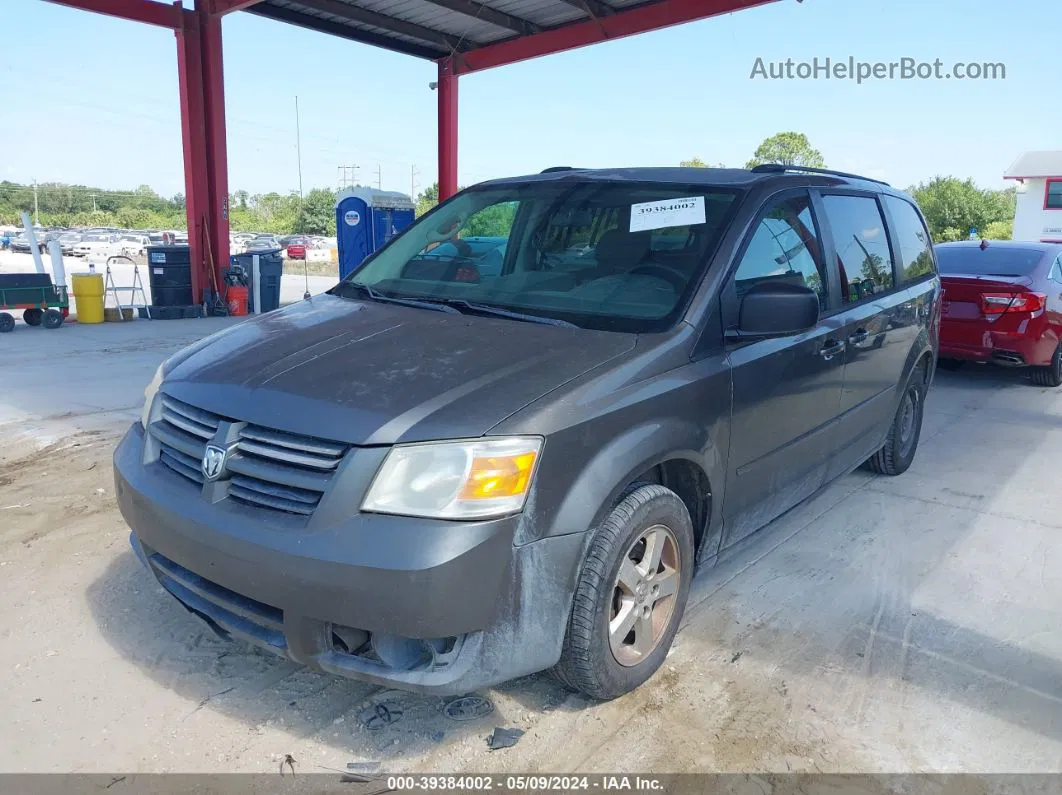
[170, 275]
[270, 269]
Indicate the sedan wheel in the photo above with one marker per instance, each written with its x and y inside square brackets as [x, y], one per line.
[1051, 375]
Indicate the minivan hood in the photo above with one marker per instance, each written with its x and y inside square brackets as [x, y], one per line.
[369, 373]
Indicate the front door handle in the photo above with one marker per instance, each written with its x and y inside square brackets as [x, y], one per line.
[861, 335]
[831, 349]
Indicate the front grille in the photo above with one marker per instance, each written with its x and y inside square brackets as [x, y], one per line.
[283, 471]
[270, 469]
[182, 434]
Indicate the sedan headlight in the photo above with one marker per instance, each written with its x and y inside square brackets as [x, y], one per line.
[455, 480]
[149, 395]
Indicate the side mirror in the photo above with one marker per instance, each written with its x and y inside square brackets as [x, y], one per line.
[776, 309]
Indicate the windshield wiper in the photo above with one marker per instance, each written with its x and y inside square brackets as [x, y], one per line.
[383, 298]
[460, 304]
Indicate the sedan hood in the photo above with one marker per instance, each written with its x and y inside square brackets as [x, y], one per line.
[369, 373]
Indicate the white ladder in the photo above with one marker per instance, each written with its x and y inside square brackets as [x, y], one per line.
[137, 289]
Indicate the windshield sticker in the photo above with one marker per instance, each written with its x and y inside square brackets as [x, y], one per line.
[670, 212]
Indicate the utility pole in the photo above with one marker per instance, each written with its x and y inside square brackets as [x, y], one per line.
[36, 214]
[93, 201]
[298, 152]
[347, 176]
[379, 178]
[413, 182]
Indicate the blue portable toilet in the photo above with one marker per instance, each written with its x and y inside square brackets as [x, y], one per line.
[366, 219]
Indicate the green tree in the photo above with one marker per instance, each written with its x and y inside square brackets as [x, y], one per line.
[953, 207]
[789, 149]
[428, 198]
[317, 215]
[696, 162]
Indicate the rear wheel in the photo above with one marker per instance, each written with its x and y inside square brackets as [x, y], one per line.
[630, 594]
[896, 455]
[32, 317]
[53, 318]
[7, 322]
[1051, 375]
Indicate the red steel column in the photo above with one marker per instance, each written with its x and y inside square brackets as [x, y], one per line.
[217, 210]
[447, 89]
[193, 137]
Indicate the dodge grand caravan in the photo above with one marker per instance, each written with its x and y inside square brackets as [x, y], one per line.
[439, 476]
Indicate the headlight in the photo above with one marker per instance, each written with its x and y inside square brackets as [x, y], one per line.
[455, 480]
[149, 395]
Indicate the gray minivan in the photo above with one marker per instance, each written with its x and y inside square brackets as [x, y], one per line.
[438, 476]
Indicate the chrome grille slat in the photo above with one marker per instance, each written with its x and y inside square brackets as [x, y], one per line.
[258, 468]
[178, 439]
[185, 424]
[268, 501]
[207, 418]
[288, 456]
[178, 462]
[306, 444]
[273, 490]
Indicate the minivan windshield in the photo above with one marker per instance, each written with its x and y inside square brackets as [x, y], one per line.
[615, 256]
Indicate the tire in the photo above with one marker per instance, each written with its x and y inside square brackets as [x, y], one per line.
[53, 318]
[7, 322]
[1051, 375]
[596, 661]
[896, 455]
[951, 365]
[32, 317]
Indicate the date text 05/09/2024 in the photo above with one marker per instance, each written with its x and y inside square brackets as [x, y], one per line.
[518, 783]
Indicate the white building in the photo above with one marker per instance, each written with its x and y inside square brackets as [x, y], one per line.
[1038, 215]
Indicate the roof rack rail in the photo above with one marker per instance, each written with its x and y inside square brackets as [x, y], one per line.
[553, 169]
[779, 168]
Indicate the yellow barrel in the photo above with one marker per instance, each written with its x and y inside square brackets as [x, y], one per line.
[88, 297]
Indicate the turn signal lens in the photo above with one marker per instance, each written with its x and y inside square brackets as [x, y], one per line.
[499, 476]
[477, 479]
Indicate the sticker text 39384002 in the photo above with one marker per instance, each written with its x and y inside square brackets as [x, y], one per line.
[669, 212]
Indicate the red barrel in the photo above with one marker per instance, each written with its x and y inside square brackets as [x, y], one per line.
[237, 298]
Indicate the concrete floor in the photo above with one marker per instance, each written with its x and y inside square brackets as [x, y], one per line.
[889, 624]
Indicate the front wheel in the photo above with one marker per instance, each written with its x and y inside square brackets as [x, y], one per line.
[32, 317]
[53, 318]
[630, 595]
[896, 455]
[1051, 375]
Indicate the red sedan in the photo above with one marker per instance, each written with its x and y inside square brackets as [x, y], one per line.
[296, 250]
[1003, 304]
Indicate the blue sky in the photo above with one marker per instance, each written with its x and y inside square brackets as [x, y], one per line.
[103, 94]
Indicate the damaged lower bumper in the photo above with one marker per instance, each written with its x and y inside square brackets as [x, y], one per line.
[442, 607]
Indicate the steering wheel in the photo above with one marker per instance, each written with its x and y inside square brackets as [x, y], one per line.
[668, 275]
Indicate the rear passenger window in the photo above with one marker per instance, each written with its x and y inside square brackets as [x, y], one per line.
[863, 255]
[785, 247]
[916, 252]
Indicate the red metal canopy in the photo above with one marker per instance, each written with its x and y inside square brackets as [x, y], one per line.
[461, 36]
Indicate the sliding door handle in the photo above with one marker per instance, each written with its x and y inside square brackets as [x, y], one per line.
[831, 349]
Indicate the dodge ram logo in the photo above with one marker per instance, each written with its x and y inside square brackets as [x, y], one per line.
[214, 461]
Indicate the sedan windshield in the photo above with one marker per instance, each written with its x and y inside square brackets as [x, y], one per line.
[611, 255]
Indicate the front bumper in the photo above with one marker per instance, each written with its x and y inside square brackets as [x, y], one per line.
[479, 609]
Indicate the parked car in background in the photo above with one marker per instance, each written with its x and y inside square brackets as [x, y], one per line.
[67, 241]
[97, 245]
[296, 250]
[1003, 305]
[361, 484]
[263, 244]
[133, 245]
[21, 243]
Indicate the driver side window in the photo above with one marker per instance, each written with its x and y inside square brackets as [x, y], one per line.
[785, 247]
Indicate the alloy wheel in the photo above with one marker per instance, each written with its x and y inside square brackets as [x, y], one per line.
[643, 595]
